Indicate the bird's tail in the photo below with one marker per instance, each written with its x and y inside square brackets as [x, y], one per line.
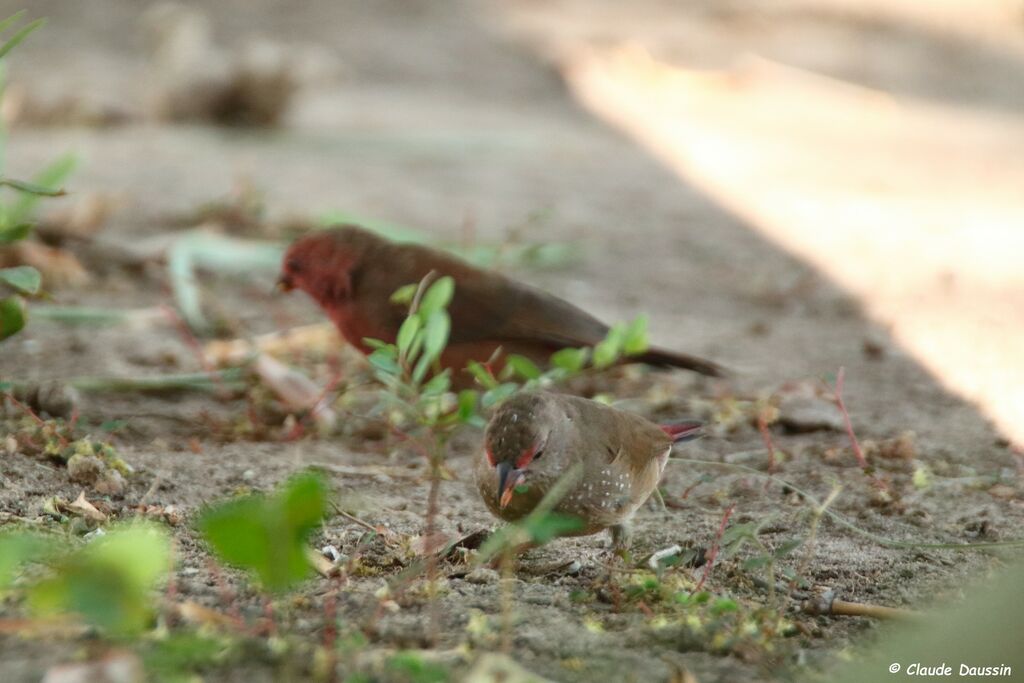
[665, 358]
[684, 431]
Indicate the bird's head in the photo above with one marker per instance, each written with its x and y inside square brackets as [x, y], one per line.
[518, 442]
[322, 263]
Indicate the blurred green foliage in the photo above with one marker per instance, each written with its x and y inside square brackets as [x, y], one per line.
[107, 582]
[982, 630]
[16, 214]
[267, 535]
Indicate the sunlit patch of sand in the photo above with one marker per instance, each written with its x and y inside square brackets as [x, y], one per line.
[915, 208]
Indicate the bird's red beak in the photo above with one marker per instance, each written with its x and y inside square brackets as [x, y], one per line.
[508, 479]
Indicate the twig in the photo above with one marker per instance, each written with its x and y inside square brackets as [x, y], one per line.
[366, 471]
[421, 288]
[714, 550]
[25, 409]
[157, 480]
[226, 379]
[352, 518]
[827, 603]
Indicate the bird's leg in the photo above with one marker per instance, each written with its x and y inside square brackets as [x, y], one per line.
[622, 535]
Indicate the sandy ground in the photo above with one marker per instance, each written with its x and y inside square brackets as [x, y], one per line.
[438, 116]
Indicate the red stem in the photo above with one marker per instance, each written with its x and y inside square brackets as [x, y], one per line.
[861, 460]
[714, 550]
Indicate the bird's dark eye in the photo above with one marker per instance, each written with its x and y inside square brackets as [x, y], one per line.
[540, 452]
[294, 265]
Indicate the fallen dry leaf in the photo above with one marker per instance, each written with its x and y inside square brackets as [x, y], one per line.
[320, 338]
[59, 267]
[295, 390]
[84, 508]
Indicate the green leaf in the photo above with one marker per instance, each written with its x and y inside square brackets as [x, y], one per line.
[19, 36]
[15, 550]
[415, 669]
[12, 316]
[435, 337]
[467, 404]
[723, 605]
[15, 233]
[178, 654]
[266, 535]
[25, 279]
[787, 547]
[108, 582]
[378, 344]
[571, 360]
[634, 340]
[51, 177]
[384, 359]
[480, 373]
[407, 334]
[756, 562]
[552, 524]
[404, 294]
[494, 396]
[437, 297]
[523, 366]
[607, 351]
[12, 20]
[32, 188]
[438, 384]
[736, 536]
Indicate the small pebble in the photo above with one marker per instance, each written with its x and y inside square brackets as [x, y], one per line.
[482, 575]
[110, 483]
[84, 469]
[809, 414]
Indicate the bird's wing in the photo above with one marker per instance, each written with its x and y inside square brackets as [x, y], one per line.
[487, 306]
[626, 440]
[496, 308]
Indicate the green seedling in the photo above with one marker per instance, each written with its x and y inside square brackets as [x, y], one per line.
[16, 215]
[107, 582]
[267, 535]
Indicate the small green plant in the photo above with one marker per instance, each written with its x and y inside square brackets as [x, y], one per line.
[107, 582]
[412, 667]
[16, 550]
[764, 559]
[267, 535]
[15, 216]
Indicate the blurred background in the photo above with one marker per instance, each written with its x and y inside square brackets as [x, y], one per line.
[686, 149]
